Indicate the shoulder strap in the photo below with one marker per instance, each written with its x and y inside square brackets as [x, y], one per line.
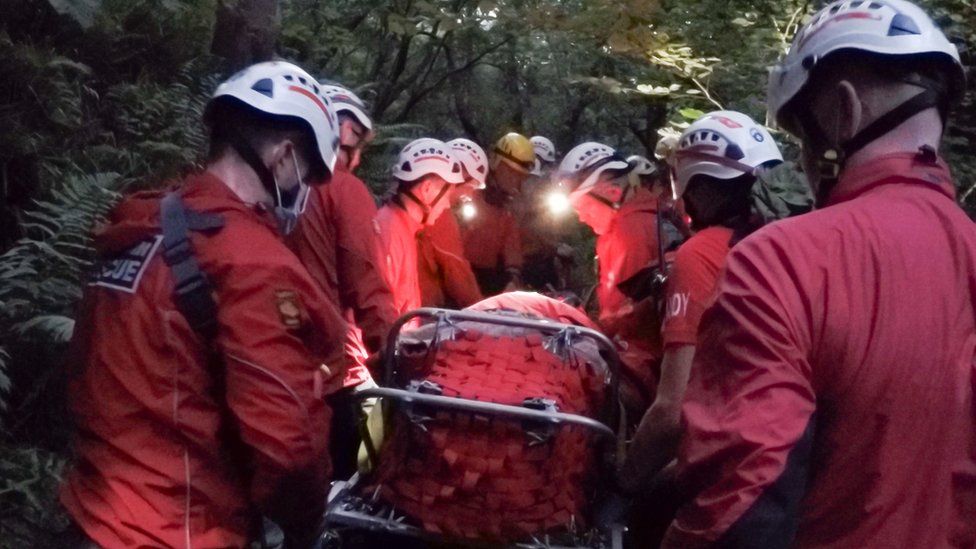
[193, 293]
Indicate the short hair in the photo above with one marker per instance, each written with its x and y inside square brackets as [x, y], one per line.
[879, 69]
[231, 120]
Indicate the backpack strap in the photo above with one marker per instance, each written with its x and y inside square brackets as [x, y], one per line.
[192, 292]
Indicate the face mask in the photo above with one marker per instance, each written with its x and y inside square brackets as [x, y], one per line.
[291, 205]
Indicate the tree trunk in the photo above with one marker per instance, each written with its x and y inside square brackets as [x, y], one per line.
[245, 31]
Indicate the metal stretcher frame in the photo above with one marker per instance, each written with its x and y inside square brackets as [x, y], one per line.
[340, 509]
[488, 408]
[393, 524]
[555, 328]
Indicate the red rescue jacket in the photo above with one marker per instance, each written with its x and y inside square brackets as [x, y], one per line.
[832, 390]
[336, 241]
[397, 246]
[173, 451]
[445, 275]
[491, 237]
[629, 245]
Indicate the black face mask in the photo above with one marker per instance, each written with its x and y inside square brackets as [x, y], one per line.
[290, 196]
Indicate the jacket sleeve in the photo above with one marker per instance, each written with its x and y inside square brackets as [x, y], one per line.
[633, 247]
[281, 343]
[748, 407]
[688, 293]
[459, 280]
[361, 282]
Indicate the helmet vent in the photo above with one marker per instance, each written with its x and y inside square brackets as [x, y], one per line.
[289, 78]
[902, 25]
[734, 152]
[406, 167]
[265, 86]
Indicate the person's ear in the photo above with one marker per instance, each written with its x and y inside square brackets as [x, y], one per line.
[849, 111]
[279, 153]
[347, 132]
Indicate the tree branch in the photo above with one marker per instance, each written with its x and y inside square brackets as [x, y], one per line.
[417, 97]
[385, 98]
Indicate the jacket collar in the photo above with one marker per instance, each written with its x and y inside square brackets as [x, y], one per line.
[206, 192]
[907, 167]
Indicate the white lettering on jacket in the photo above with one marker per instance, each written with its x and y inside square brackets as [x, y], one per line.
[678, 304]
[125, 271]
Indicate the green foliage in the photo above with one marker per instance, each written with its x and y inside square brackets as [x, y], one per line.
[29, 513]
[42, 277]
[82, 12]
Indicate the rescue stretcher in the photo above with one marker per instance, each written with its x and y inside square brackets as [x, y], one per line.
[545, 462]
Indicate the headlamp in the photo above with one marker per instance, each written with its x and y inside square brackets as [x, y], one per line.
[558, 203]
[468, 210]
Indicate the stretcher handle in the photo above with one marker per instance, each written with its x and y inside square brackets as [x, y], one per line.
[488, 408]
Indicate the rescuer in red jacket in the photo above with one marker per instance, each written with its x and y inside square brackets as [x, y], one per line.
[492, 243]
[624, 218]
[446, 278]
[336, 241]
[425, 174]
[717, 194]
[542, 227]
[203, 349]
[831, 399]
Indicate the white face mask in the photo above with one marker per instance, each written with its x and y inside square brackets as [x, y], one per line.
[287, 216]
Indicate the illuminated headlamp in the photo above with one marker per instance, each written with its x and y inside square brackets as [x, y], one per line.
[468, 210]
[558, 203]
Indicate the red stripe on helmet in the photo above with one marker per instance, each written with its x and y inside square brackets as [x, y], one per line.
[727, 122]
[316, 100]
[438, 158]
[835, 19]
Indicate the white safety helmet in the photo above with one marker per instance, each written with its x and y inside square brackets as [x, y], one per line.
[472, 157]
[723, 145]
[544, 149]
[641, 166]
[589, 156]
[886, 27]
[347, 102]
[426, 156]
[283, 89]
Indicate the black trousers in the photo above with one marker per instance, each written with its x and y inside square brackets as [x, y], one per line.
[344, 438]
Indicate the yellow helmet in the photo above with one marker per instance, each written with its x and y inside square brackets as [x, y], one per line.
[515, 150]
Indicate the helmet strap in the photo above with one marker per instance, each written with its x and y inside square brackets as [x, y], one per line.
[423, 206]
[426, 208]
[603, 200]
[515, 163]
[246, 151]
[831, 161]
